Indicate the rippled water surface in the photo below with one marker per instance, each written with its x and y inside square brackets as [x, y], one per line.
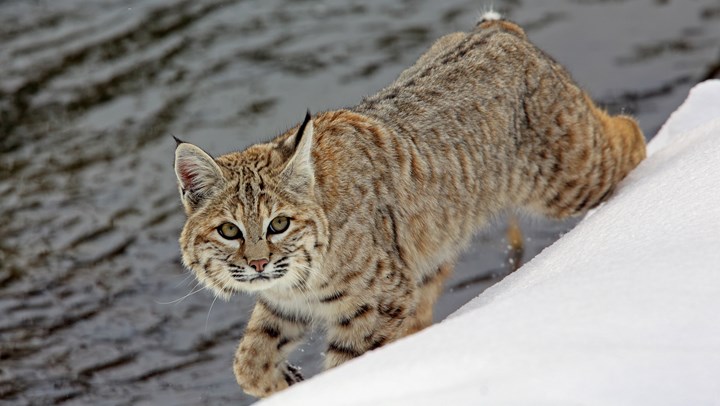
[90, 92]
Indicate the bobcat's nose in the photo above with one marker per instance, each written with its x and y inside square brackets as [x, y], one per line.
[258, 264]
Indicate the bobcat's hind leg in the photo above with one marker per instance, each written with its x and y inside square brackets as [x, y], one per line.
[595, 153]
[430, 289]
[621, 148]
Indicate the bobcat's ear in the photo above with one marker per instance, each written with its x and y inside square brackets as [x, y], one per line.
[197, 173]
[298, 174]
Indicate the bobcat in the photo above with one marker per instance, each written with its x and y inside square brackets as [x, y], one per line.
[353, 219]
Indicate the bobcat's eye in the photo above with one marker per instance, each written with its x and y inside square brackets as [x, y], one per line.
[278, 225]
[229, 231]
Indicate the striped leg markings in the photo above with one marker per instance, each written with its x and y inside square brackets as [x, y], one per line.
[260, 364]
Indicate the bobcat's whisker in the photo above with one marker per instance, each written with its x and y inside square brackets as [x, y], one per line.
[189, 275]
[192, 292]
[207, 318]
[312, 272]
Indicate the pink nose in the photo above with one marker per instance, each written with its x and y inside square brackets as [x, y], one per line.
[258, 264]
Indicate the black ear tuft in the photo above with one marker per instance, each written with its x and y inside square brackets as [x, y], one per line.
[177, 141]
[301, 130]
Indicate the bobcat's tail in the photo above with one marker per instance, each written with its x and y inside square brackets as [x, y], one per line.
[493, 19]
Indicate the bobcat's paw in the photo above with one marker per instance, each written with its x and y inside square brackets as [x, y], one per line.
[262, 379]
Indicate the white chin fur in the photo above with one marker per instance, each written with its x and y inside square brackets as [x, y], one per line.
[256, 286]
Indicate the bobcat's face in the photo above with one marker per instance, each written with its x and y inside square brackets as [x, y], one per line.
[251, 242]
[252, 221]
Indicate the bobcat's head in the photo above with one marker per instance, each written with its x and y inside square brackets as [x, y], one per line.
[253, 220]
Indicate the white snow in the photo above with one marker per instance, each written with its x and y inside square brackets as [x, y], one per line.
[623, 310]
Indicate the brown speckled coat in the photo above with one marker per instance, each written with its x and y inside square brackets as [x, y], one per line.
[383, 197]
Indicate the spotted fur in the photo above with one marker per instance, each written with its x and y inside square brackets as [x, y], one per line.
[383, 197]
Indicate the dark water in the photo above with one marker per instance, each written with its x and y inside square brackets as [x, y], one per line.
[90, 92]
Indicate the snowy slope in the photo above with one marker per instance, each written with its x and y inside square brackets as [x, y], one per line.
[623, 310]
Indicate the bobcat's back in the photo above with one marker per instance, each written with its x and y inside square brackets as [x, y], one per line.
[483, 122]
[535, 138]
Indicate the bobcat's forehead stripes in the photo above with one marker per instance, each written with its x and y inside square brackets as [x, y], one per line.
[382, 198]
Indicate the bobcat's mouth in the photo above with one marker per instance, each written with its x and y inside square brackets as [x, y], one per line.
[255, 277]
[252, 280]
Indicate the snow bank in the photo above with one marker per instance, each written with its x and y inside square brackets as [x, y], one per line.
[623, 310]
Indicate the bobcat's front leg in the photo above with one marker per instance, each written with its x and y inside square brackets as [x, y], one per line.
[260, 364]
[365, 327]
[352, 334]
